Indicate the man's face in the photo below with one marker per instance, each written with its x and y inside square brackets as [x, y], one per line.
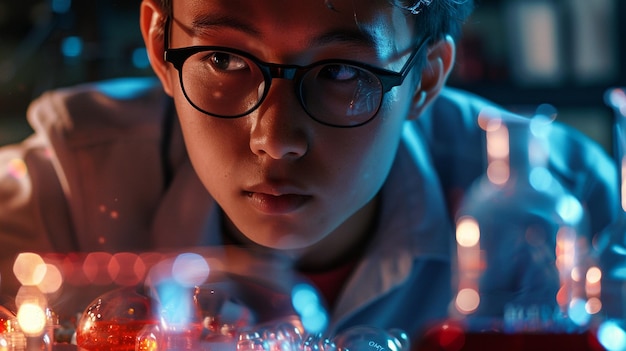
[284, 180]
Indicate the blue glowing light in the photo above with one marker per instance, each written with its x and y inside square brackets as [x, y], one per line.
[126, 88]
[540, 178]
[578, 313]
[174, 310]
[303, 296]
[619, 273]
[570, 209]
[140, 58]
[60, 6]
[306, 302]
[541, 122]
[612, 336]
[72, 46]
[619, 249]
[315, 323]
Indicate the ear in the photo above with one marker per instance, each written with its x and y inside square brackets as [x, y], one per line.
[151, 19]
[439, 63]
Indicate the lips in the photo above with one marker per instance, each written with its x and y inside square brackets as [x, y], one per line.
[276, 204]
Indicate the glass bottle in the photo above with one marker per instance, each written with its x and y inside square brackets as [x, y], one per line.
[114, 319]
[521, 237]
[612, 243]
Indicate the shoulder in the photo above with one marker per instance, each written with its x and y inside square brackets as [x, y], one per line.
[93, 144]
[95, 111]
[454, 138]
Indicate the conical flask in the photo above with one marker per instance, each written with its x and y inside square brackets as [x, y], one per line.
[612, 244]
[522, 238]
[611, 248]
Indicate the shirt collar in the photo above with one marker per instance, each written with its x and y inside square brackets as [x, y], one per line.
[413, 214]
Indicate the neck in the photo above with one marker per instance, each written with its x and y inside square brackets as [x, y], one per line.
[344, 243]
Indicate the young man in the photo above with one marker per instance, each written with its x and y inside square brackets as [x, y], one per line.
[321, 129]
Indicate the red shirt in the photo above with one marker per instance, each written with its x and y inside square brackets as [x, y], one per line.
[330, 282]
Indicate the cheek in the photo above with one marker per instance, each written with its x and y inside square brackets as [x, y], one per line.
[211, 143]
[375, 154]
[387, 132]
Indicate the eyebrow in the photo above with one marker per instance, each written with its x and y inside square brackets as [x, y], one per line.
[352, 37]
[210, 21]
[355, 37]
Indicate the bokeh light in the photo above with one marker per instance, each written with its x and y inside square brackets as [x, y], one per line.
[594, 275]
[307, 303]
[190, 269]
[451, 337]
[29, 268]
[489, 118]
[140, 58]
[612, 336]
[575, 274]
[593, 305]
[467, 231]
[497, 140]
[540, 179]
[578, 312]
[60, 6]
[148, 339]
[570, 209]
[498, 172]
[31, 318]
[617, 98]
[467, 300]
[17, 168]
[126, 269]
[72, 269]
[72, 46]
[498, 169]
[95, 268]
[52, 280]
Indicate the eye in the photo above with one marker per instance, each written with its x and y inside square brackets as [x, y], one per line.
[339, 72]
[227, 62]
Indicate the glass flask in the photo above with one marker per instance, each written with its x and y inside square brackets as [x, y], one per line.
[227, 311]
[245, 313]
[180, 320]
[612, 243]
[8, 320]
[113, 320]
[35, 320]
[370, 338]
[522, 238]
[11, 338]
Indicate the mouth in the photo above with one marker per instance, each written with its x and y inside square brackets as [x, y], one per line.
[276, 204]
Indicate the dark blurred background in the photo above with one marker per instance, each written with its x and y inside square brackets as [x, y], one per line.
[53, 43]
[518, 53]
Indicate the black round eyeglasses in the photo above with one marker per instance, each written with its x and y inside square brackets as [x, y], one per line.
[229, 83]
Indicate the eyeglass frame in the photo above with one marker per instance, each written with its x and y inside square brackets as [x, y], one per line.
[388, 79]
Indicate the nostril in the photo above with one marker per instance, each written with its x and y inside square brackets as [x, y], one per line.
[279, 147]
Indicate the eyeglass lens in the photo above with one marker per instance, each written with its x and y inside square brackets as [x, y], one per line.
[225, 84]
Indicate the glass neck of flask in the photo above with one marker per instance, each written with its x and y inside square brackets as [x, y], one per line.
[514, 153]
[620, 153]
[616, 98]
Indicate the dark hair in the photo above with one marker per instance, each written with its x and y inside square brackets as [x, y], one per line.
[436, 18]
[441, 17]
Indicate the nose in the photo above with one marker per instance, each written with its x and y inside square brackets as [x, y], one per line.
[279, 126]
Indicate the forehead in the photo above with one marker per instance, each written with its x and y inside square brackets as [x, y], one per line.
[373, 23]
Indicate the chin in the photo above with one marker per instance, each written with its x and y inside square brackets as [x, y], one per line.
[286, 242]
